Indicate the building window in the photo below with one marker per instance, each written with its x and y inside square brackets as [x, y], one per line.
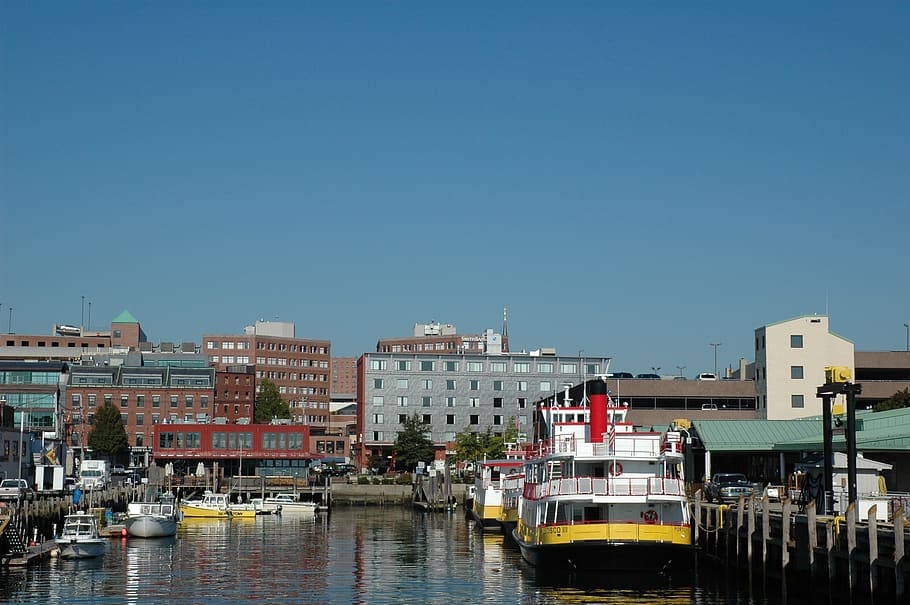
[474, 402]
[450, 418]
[108, 399]
[403, 365]
[91, 401]
[497, 385]
[378, 400]
[475, 385]
[450, 402]
[545, 386]
[796, 372]
[402, 401]
[124, 401]
[451, 366]
[377, 383]
[140, 419]
[521, 367]
[173, 401]
[497, 402]
[475, 366]
[378, 419]
[450, 385]
[497, 366]
[497, 420]
[545, 367]
[189, 401]
[427, 366]
[475, 419]
[522, 385]
[796, 341]
[427, 419]
[204, 402]
[426, 402]
[140, 401]
[568, 368]
[592, 368]
[522, 403]
[377, 364]
[402, 383]
[402, 418]
[427, 384]
[796, 401]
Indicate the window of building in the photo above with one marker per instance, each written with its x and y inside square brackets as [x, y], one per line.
[377, 364]
[545, 367]
[403, 365]
[475, 366]
[592, 368]
[450, 402]
[204, 402]
[427, 384]
[475, 385]
[173, 401]
[377, 435]
[522, 385]
[427, 419]
[378, 400]
[91, 401]
[450, 385]
[497, 419]
[497, 402]
[796, 401]
[497, 385]
[140, 419]
[189, 401]
[451, 366]
[796, 372]
[124, 401]
[497, 366]
[108, 399]
[378, 383]
[521, 367]
[378, 419]
[450, 418]
[568, 368]
[475, 419]
[402, 383]
[427, 366]
[474, 402]
[796, 341]
[545, 386]
[402, 401]
[140, 401]
[402, 418]
[522, 403]
[426, 402]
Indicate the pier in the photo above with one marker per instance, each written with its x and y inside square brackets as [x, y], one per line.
[777, 547]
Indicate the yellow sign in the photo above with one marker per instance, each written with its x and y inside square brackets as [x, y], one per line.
[837, 374]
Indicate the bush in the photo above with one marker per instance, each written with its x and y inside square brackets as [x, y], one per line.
[363, 480]
[403, 479]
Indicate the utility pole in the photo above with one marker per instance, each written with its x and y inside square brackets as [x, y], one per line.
[715, 345]
[680, 368]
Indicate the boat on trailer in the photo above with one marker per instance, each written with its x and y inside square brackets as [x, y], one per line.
[598, 495]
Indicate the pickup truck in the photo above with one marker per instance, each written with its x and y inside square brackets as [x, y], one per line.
[15, 489]
[727, 487]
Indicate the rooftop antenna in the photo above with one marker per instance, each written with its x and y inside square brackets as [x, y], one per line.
[505, 329]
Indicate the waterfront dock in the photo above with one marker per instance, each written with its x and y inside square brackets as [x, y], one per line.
[779, 547]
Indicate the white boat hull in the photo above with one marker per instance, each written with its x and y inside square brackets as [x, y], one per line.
[81, 549]
[148, 526]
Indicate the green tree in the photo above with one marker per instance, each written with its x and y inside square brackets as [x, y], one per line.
[901, 399]
[413, 445]
[471, 446]
[108, 436]
[269, 403]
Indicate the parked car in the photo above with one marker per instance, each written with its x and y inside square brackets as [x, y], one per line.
[706, 376]
[15, 490]
[727, 487]
[620, 375]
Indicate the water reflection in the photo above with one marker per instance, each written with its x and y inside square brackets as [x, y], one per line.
[356, 555]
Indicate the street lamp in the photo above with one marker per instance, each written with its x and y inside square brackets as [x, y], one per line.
[21, 435]
[680, 368]
[907, 328]
[715, 345]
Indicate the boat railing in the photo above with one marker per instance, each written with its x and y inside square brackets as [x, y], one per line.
[625, 445]
[603, 486]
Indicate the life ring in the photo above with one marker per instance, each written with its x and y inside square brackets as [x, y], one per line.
[615, 469]
[650, 516]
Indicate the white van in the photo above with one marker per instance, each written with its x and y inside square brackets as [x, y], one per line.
[706, 376]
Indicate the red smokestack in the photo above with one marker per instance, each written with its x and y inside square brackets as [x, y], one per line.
[598, 397]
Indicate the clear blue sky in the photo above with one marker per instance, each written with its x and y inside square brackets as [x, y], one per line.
[633, 179]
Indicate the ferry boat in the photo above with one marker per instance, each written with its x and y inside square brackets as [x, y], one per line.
[487, 492]
[601, 496]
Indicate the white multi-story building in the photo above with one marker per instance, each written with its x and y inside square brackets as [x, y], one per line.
[790, 361]
[457, 393]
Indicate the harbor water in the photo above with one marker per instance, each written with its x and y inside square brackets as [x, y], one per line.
[370, 555]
